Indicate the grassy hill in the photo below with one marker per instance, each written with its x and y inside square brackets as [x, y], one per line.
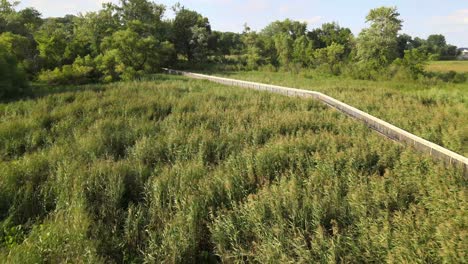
[184, 171]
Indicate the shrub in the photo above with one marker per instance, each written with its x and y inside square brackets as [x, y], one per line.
[450, 76]
[83, 70]
[329, 59]
[413, 63]
[13, 80]
[107, 65]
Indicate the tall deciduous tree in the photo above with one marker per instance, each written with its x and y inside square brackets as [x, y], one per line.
[377, 46]
[147, 12]
[138, 54]
[253, 48]
[7, 7]
[186, 30]
[93, 27]
[52, 38]
[284, 47]
[405, 42]
[303, 51]
[226, 43]
[294, 29]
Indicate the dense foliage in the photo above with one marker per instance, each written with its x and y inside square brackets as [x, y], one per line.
[186, 171]
[12, 78]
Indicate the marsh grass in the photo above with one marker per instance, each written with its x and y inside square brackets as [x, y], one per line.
[181, 171]
[436, 112]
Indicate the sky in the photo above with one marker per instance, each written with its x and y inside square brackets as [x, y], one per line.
[421, 17]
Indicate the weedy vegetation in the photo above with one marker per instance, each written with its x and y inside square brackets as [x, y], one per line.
[182, 171]
[435, 111]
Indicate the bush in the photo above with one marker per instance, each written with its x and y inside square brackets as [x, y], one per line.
[77, 73]
[107, 64]
[13, 80]
[451, 76]
[412, 65]
[363, 71]
[329, 59]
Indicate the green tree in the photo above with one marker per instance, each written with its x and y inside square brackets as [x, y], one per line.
[253, 55]
[405, 42]
[149, 15]
[294, 29]
[7, 7]
[16, 45]
[199, 42]
[30, 18]
[438, 47]
[436, 44]
[377, 46]
[413, 63]
[135, 54]
[226, 43]
[303, 51]
[284, 48]
[330, 58]
[452, 52]
[18, 28]
[93, 27]
[52, 39]
[330, 33]
[13, 81]
[23, 22]
[185, 32]
[435, 47]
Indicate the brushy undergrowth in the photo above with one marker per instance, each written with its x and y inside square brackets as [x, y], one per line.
[434, 111]
[184, 171]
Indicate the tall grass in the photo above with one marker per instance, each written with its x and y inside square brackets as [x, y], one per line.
[184, 171]
[434, 111]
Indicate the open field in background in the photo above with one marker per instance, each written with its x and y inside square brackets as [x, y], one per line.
[183, 171]
[446, 66]
[436, 113]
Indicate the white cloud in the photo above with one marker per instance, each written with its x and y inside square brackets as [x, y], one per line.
[454, 26]
[254, 5]
[284, 9]
[62, 7]
[454, 22]
[459, 17]
[313, 20]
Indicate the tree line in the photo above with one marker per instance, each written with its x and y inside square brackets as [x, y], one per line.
[127, 40]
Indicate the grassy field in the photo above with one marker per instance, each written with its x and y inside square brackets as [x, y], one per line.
[446, 66]
[437, 113]
[184, 171]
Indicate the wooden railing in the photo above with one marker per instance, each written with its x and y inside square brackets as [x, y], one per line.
[379, 125]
